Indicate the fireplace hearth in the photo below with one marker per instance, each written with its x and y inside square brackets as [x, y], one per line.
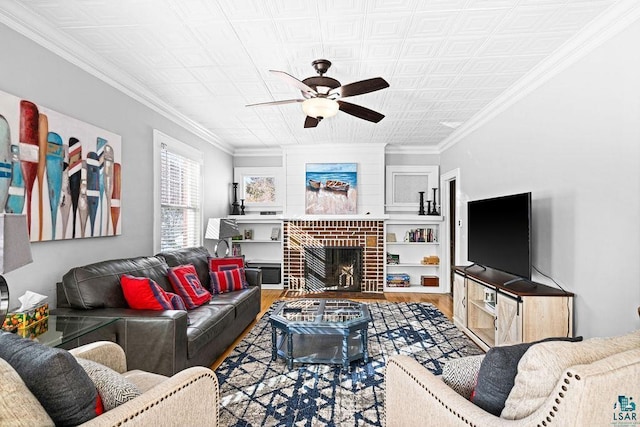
[333, 268]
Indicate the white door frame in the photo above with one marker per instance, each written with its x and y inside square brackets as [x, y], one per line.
[445, 179]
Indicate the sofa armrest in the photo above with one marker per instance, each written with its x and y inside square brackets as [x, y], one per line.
[170, 403]
[106, 353]
[154, 341]
[254, 276]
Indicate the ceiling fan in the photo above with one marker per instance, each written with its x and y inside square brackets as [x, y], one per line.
[322, 95]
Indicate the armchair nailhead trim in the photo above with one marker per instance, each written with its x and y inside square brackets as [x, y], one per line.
[413, 377]
[162, 398]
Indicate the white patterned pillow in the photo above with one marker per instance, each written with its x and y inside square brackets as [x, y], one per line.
[114, 389]
[462, 374]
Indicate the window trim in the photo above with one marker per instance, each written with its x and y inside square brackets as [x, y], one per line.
[182, 149]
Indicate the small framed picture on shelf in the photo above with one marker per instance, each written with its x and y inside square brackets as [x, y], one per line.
[248, 234]
[275, 233]
[391, 237]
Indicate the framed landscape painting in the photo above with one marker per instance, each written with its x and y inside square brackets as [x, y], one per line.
[331, 188]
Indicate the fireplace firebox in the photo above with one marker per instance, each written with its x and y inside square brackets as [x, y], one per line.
[333, 268]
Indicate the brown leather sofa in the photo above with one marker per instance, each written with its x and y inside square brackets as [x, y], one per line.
[164, 342]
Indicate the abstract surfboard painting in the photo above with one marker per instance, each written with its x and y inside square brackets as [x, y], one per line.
[78, 190]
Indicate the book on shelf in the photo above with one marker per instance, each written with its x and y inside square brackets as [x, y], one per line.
[236, 249]
[421, 235]
[398, 280]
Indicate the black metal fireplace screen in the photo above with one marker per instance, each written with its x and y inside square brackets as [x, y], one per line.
[333, 268]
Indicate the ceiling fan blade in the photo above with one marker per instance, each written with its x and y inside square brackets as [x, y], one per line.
[285, 101]
[288, 78]
[358, 88]
[311, 122]
[360, 112]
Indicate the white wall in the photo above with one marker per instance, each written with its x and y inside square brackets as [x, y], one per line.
[574, 143]
[31, 72]
[370, 160]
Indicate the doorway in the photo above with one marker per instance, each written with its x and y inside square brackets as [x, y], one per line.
[450, 185]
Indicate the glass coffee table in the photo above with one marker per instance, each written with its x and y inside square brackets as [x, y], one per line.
[320, 331]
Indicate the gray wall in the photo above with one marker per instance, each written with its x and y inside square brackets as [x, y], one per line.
[32, 72]
[574, 143]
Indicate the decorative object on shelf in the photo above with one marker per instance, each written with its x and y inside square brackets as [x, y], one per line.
[421, 210]
[267, 212]
[391, 237]
[275, 233]
[430, 281]
[235, 206]
[221, 229]
[393, 258]
[248, 234]
[431, 260]
[434, 211]
[15, 252]
[241, 206]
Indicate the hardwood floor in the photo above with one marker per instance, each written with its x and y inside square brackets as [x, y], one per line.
[443, 302]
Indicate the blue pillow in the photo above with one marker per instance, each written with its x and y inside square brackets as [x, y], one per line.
[498, 372]
[54, 377]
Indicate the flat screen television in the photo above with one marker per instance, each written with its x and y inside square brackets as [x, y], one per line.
[499, 233]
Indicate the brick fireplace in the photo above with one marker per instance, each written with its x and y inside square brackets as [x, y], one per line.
[301, 236]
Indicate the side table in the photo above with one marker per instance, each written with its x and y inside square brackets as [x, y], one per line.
[66, 331]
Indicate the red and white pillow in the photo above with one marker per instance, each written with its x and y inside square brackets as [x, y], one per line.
[185, 283]
[227, 280]
[143, 293]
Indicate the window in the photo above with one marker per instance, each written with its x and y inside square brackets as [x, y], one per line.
[178, 219]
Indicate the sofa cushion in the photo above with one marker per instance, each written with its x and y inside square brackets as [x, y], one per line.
[197, 256]
[18, 407]
[98, 285]
[143, 293]
[240, 300]
[227, 280]
[542, 366]
[497, 374]
[54, 377]
[206, 323]
[114, 389]
[186, 283]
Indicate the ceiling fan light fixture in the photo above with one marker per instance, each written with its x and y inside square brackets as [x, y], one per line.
[320, 107]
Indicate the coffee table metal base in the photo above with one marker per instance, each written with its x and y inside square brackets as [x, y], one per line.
[316, 348]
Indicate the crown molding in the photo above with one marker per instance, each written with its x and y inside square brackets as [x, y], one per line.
[252, 152]
[21, 20]
[412, 149]
[610, 23]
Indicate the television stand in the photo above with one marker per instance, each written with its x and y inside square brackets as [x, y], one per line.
[495, 308]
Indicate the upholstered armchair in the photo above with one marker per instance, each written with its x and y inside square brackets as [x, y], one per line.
[189, 397]
[594, 382]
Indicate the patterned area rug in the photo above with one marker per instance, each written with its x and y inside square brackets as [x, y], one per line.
[256, 391]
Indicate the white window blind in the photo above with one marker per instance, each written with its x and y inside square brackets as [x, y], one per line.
[180, 200]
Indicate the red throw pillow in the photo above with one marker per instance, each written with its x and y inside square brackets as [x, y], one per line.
[143, 293]
[185, 282]
[227, 280]
[216, 263]
[222, 264]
